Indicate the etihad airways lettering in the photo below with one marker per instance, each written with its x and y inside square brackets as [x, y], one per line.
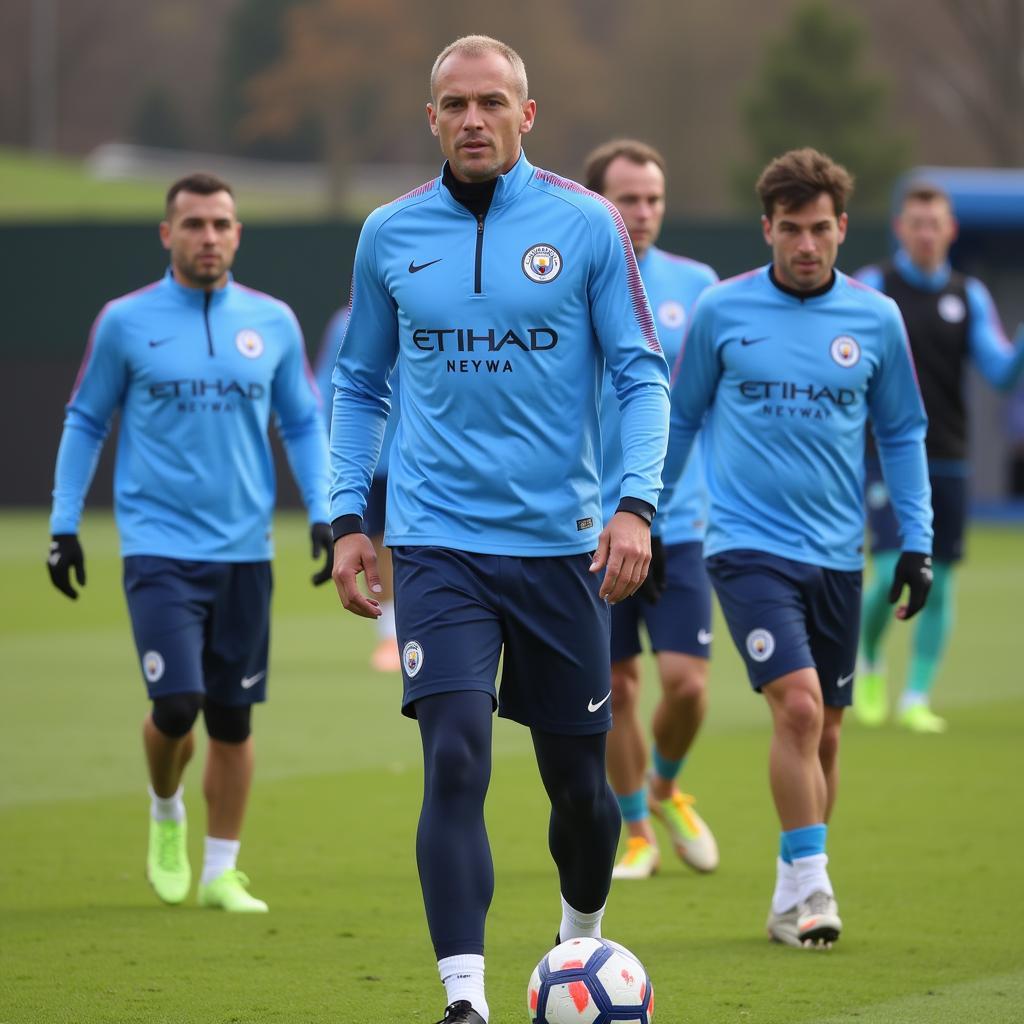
[465, 339]
[761, 390]
[206, 389]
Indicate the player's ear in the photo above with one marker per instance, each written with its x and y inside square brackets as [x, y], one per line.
[842, 222]
[165, 234]
[766, 228]
[432, 118]
[529, 116]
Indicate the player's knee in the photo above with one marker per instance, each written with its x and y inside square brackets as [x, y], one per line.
[685, 685]
[625, 688]
[228, 723]
[455, 769]
[801, 711]
[578, 796]
[828, 747]
[175, 714]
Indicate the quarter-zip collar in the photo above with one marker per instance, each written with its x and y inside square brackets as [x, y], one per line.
[507, 187]
[196, 297]
[916, 277]
[793, 293]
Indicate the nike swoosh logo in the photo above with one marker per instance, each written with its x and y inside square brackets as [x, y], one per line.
[843, 680]
[591, 706]
[752, 341]
[155, 342]
[413, 269]
[250, 681]
[704, 637]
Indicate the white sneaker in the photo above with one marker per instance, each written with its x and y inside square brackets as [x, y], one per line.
[782, 927]
[818, 924]
[690, 834]
[641, 860]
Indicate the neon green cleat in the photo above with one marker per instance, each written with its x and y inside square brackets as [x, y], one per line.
[167, 866]
[870, 699]
[920, 718]
[228, 892]
[641, 860]
[690, 834]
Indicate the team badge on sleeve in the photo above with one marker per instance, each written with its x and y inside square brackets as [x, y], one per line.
[760, 644]
[671, 314]
[845, 351]
[249, 343]
[153, 665]
[412, 658]
[542, 263]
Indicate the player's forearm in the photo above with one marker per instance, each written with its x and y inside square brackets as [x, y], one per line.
[905, 469]
[306, 448]
[357, 431]
[644, 441]
[77, 457]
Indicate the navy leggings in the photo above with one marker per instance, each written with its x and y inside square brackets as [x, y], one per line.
[452, 851]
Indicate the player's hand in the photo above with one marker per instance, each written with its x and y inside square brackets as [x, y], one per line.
[624, 552]
[654, 585]
[323, 544]
[66, 554]
[354, 554]
[913, 570]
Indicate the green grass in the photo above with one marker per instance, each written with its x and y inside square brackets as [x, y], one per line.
[38, 188]
[925, 842]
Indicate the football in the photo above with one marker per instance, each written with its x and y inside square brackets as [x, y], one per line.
[590, 981]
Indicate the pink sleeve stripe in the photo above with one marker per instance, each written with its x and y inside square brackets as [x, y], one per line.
[419, 190]
[641, 309]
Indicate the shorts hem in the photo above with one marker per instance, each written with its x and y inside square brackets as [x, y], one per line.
[414, 694]
[558, 728]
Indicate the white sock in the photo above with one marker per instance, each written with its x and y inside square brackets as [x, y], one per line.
[785, 896]
[219, 855]
[386, 623]
[167, 808]
[463, 978]
[811, 875]
[577, 925]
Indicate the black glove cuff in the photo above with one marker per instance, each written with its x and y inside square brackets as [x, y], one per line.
[344, 525]
[639, 507]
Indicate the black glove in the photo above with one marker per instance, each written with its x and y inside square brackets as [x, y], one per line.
[66, 554]
[323, 544]
[654, 586]
[914, 571]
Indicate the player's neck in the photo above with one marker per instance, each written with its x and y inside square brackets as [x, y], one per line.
[475, 196]
[797, 293]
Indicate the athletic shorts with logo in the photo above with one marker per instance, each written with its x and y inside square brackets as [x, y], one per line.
[949, 508]
[786, 615]
[458, 613]
[201, 627]
[680, 620]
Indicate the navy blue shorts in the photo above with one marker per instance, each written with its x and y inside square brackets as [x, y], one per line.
[201, 627]
[457, 613]
[785, 615]
[376, 507]
[949, 509]
[681, 619]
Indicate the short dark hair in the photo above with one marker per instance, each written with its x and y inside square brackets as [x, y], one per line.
[797, 177]
[924, 192]
[200, 183]
[596, 165]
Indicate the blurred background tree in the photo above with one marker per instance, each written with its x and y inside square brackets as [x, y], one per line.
[812, 90]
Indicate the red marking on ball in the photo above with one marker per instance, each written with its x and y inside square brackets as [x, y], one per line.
[580, 995]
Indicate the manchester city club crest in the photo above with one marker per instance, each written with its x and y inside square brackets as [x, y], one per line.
[542, 263]
[845, 351]
[760, 644]
[671, 314]
[412, 658]
[952, 309]
[249, 343]
[153, 665]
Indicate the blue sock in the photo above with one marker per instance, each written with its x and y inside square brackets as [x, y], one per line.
[784, 849]
[665, 768]
[804, 842]
[633, 805]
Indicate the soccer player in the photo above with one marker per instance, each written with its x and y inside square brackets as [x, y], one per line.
[783, 367]
[195, 365]
[674, 603]
[501, 291]
[952, 321]
[385, 657]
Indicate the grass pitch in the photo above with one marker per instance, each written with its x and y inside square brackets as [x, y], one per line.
[924, 846]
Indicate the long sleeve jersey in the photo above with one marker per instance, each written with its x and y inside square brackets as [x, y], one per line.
[196, 376]
[673, 284]
[951, 320]
[323, 369]
[784, 387]
[502, 326]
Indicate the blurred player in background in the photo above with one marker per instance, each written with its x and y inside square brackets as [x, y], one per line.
[195, 365]
[783, 367]
[674, 604]
[952, 321]
[501, 290]
[385, 657]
